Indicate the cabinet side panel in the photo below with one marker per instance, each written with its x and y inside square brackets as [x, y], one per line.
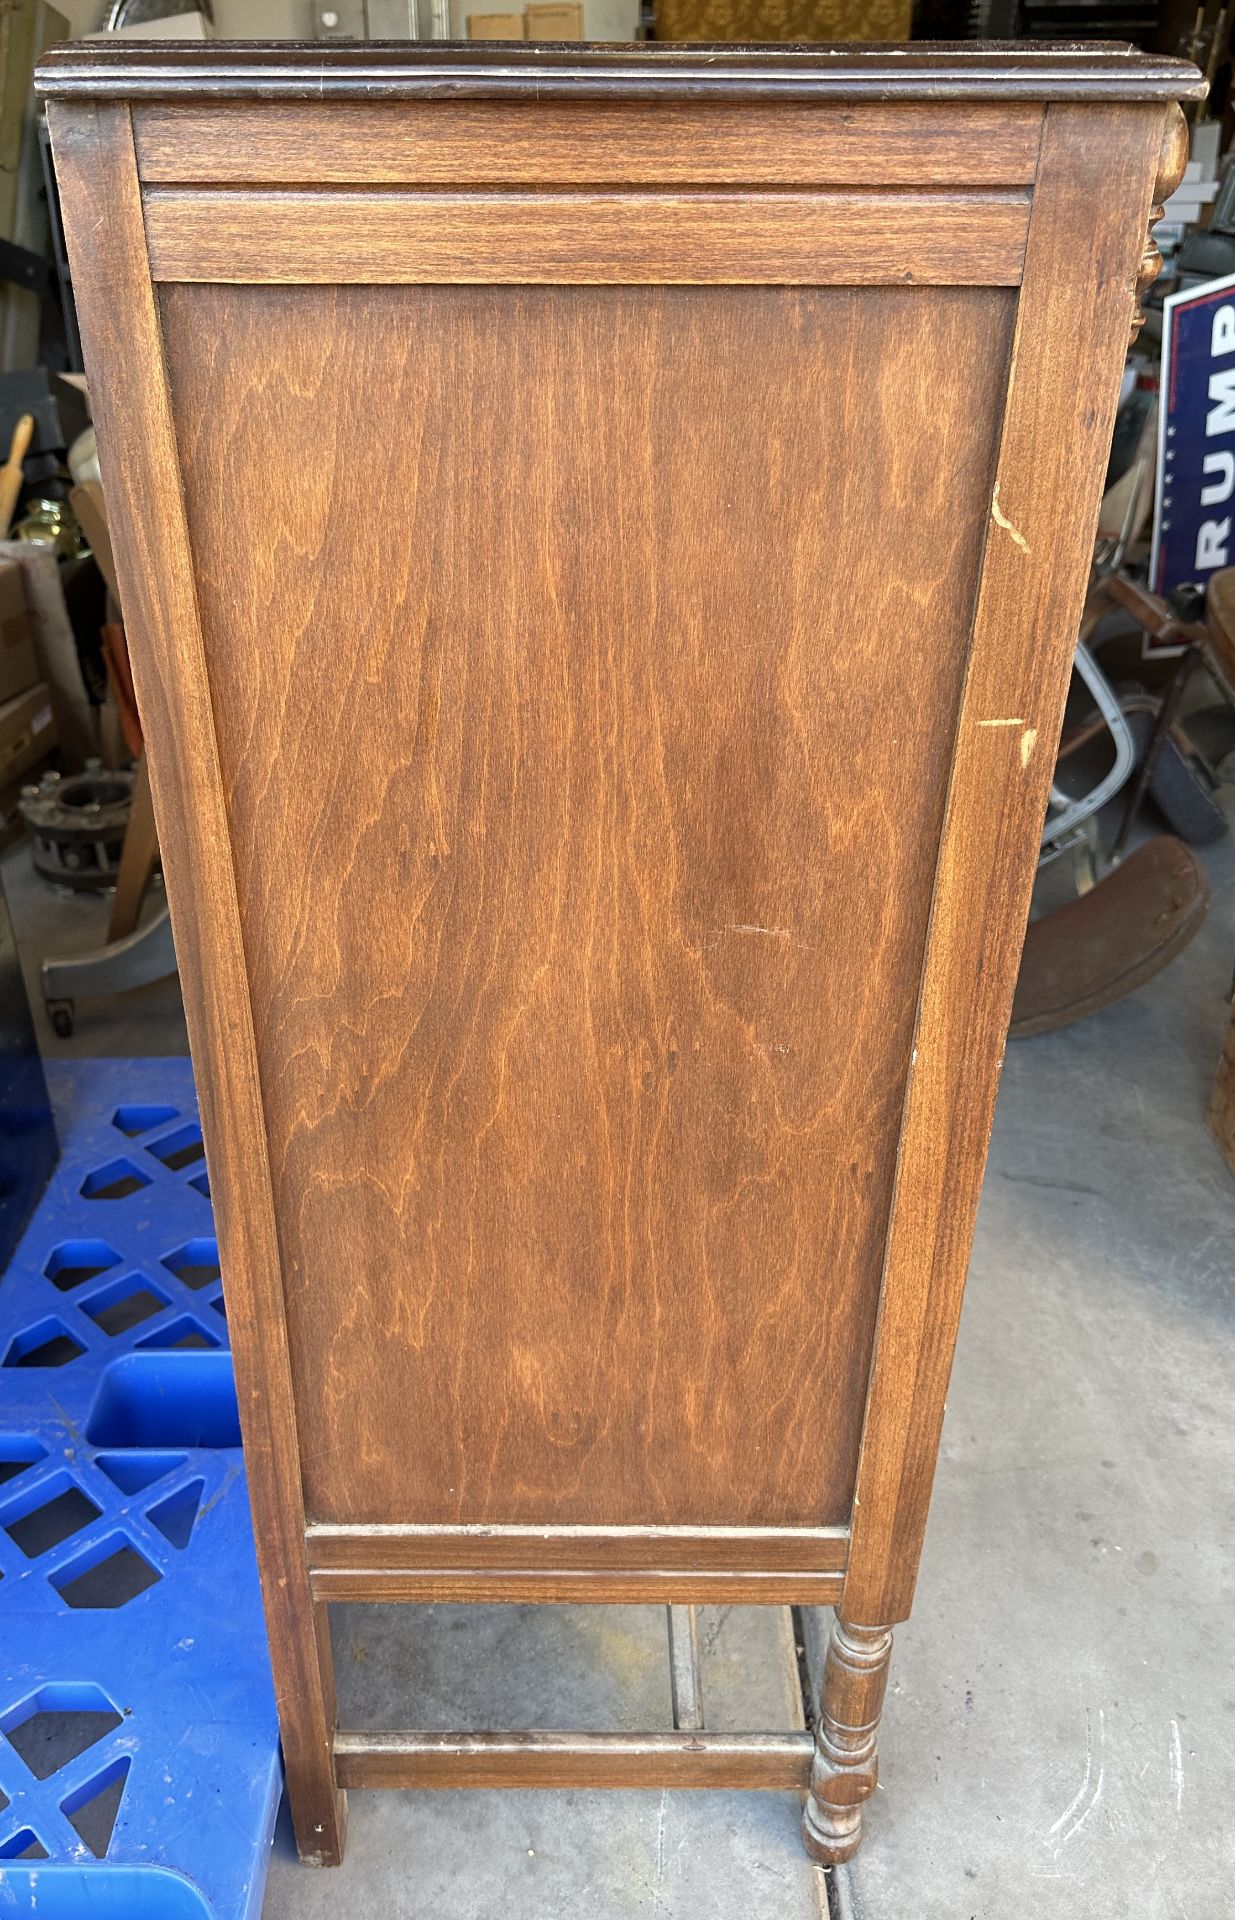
[586, 665]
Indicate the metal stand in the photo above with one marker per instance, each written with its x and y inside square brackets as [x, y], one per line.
[135, 961]
[131, 956]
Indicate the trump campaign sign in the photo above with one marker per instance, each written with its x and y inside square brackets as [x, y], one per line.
[1194, 509]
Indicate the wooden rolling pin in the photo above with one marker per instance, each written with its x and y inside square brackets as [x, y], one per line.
[10, 472]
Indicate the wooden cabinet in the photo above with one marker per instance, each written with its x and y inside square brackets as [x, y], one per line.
[602, 535]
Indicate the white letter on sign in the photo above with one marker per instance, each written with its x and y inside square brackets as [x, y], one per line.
[1211, 543]
[1222, 339]
[1221, 418]
[1221, 489]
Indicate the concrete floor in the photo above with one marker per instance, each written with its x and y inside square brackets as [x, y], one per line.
[1060, 1728]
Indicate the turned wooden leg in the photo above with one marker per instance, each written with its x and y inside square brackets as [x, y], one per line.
[846, 1764]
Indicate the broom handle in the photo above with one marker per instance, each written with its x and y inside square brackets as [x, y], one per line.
[10, 472]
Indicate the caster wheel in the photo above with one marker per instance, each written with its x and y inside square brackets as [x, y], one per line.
[60, 1013]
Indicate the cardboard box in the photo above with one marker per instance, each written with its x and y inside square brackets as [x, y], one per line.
[554, 22]
[495, 26]
[27, 732]
[17, 664]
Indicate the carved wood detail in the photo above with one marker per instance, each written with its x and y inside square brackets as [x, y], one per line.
[1171, 163]
[846, 1765]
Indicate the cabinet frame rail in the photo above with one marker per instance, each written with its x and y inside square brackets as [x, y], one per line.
[773, 1762]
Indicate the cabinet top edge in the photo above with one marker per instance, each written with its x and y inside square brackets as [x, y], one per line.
[399, 70]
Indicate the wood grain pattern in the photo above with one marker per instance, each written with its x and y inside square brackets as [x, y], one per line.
[345, 143]
[584, 1549]
[582, 1098]
[349, 235]
[1043, 513]
[599, 735]
[771, 1761]
[649, 1586]
[137, 450]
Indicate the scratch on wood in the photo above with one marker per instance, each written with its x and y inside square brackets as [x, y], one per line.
[1001, 520]
[1029, 740]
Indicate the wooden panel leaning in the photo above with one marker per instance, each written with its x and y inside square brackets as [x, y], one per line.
[601, 534]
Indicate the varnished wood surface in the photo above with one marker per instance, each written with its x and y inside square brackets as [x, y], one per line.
[599, 815]
[845, 1772]
[772, 1762]
[350, 235]
[649, 1586]
[941, 72]
[907, 143]
[1043, 514]
[680, 1759]
[584, 1549]
[582, 986]
[1172, 162]
[97, 173]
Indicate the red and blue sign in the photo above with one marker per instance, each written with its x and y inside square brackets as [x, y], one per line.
[1194, 511]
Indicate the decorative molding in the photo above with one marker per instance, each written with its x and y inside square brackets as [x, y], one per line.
[245, 70]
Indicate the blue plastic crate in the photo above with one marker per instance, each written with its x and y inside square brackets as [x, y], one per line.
[130, 1614]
